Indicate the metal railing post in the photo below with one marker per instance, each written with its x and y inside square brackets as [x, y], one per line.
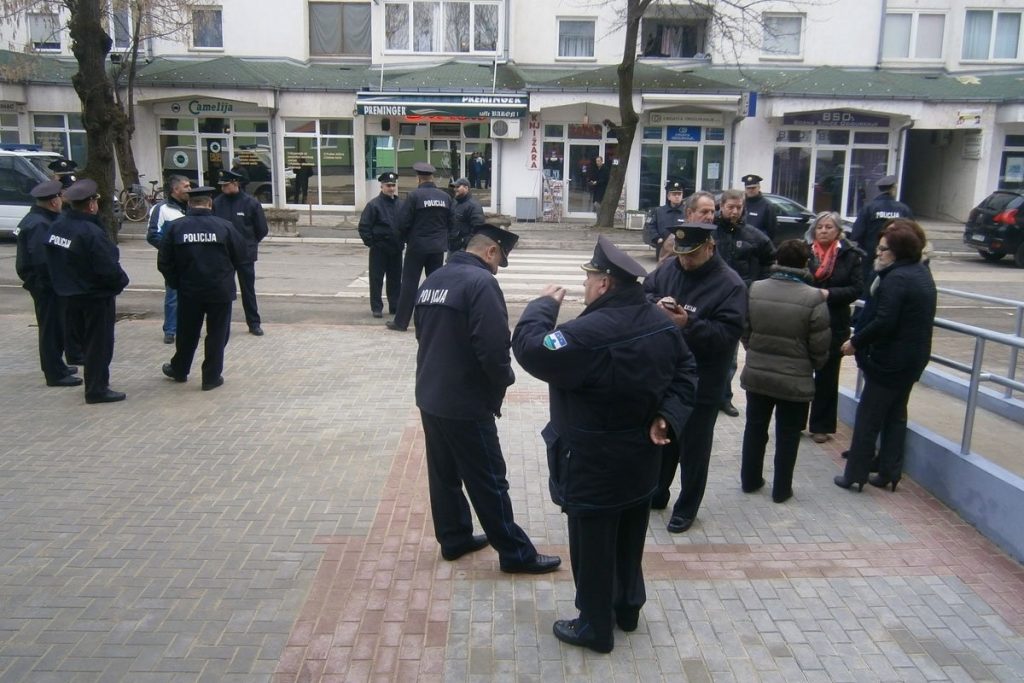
[972, 396]
[1011, 372]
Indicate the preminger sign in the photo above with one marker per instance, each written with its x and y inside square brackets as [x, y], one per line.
[507, 105]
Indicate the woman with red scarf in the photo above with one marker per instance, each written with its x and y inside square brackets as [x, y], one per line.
[836, 266]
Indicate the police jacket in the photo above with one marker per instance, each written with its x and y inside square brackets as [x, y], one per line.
[845, 285]
[761, 214]
[605, 392]
[30, 261]
[246, 214]
[376, 223]
[715, 300]
[872, 218]
[746, 249]
[466, 215]
[424, 219]
[198, 256]
[163, 212]
[463, 365]
[662, 222]
[81, 258]
[787, 336]
[893, 336]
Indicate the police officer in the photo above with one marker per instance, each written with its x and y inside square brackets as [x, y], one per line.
[872, 217]
[84, 268]
[246, 214]
[708, 301]
[467, 214]
[463, 368]
[760, 212]
[198, 257]
[64, 171]
[664, 220]
[377, 230]
[611, 409]
[30, 262]
[423, 222]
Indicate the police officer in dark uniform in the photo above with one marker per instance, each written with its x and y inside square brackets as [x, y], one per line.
[198, 256]
[424, 223]
[874, 216]
[760, 212]
[664, 220]
[467, 215]
[246, 214]
[74, 327]
[64, 171]
[377, 230]
[84, 268]
[30, 262]
[463, 368]
[611, 410]
[708, 301]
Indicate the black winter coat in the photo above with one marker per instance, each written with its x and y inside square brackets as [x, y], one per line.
[30, 260]
[246, 214]
[844, 285]
[872, 218]
[82, 260]
[466, 215]
[198, 256]
[662, 222]
[761, 214]
[745, 249]
[424, 220]
[610, 372]
[377, 223]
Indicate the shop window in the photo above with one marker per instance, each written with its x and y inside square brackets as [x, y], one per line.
[783, 36]
[339, 28]
[990, 35]
[44, 31]
[60, 133]
[576, 38]
[668, 38]
[319, 161]
[554, 131]
[913, 35]
[207, 29]
[477, 130]
[445, 26]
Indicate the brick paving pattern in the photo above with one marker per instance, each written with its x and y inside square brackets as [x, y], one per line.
[277, 529]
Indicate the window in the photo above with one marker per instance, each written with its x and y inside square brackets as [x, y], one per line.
[913, 36]
[121, 24]
[783, 35]
[339, 28]
[576, 37]
[319, 162]
[991, 35]
[44, 31]
[207, 31]
[448, 26]
[60, 133]
[8, 128]
[667, 38]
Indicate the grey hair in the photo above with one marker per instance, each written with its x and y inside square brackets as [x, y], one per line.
[691, 201]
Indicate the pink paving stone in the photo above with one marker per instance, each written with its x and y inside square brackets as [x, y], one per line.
[320, 646]
[385, 659]
[345, 633]
[311, 671]
[411, 648]
[291, 659]
[437, 634]
[365, 647]
[338, 660]
[302, 631]
[372, 620]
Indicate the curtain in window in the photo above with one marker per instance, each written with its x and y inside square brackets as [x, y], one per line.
[355, 29]
[896, 42]
[44, 31]
[977, 31]
[576, 39]
[396, 27]
[930, 28]
[207, 28]
[122, 20]
[457, 28]
[1007, 36]
[485, 28]
[427, 30]
[782, 35]
[324, 28]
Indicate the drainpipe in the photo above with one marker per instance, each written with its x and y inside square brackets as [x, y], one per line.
[881, 34]
[901, 152]
[732, 154]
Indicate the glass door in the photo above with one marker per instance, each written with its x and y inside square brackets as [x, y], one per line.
[681, 165]
[215, 155]
[829, 179]
[580, 163]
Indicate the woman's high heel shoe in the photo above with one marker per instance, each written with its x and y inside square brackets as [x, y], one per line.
[842, 482]
[883, 483]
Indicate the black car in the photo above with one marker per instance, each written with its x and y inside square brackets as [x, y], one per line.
[792, 219]
[996, 227]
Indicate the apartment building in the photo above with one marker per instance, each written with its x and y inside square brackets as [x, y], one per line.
[821, 98]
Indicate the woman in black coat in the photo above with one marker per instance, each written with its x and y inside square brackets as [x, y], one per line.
[836, 266]
[892, 343]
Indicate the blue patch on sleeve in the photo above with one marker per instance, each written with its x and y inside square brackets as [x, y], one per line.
[555, 341]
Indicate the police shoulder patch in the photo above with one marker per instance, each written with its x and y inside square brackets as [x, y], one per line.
[555, 341]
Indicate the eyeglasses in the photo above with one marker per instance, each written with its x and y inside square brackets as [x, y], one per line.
[882, 248]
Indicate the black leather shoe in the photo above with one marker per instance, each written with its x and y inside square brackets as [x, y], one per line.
[475, 543]
[377, 314]
[168, 339]
[755, 487]
[256, 330]
[65, 381]
[627, 619]
[392, 326]
[108, 396]
[213, 383]
[541, 564]
[72, 369]
[168, 371]
[571, 631]
[781, 496]
[729, 409]
[678, 525]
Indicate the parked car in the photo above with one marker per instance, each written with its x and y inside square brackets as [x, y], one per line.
[793, 218]
[995, 227]
[21, 169]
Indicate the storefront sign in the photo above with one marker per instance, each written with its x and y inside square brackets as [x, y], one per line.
[691, 119]
[682, 133]
[509, 106]
[203, 107]
[968, 118]
[533, 160]
[8, 108]
[836, 119]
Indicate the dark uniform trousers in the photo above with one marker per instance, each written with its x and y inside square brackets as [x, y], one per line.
[693, 457]
[74, 335]
[415, 264]
[385, 262]
[825, 406]
[247, 286]
[467, 452]
[51, 311]
[98, 315]
[882, 411]
[790, 418]
[593, 539]
[190, 326]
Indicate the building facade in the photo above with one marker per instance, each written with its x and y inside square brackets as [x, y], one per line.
[314, 99]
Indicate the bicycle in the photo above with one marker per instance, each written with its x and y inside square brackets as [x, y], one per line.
[136, 202]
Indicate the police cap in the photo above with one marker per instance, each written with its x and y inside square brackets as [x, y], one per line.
[692, 236]
[886, 181]
[62, 166]
[611, 260]
[227, 176]
[85, 188]
[423, 168]
[505, 239]
[201, 191]
[751, 179]
[47, 190]
[387, 177]
[673, 185]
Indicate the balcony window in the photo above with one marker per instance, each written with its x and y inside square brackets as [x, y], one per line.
[121, 25]
[678, 39]
[44, 31]
[576, 38]
[339, 28]
[207, 30]
[991, 35]
[442, 26]
[783, 35]
[913, 36]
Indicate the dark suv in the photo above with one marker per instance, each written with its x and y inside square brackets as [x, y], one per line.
[996, 226]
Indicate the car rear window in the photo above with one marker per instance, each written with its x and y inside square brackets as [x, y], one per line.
[999, 201]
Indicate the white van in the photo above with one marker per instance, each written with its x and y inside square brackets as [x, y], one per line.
[22, 167]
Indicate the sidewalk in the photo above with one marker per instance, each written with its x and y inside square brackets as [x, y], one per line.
[278, 530]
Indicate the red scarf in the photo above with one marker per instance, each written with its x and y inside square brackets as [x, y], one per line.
[826, 257]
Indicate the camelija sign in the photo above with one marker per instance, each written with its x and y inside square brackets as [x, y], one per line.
[505, 105]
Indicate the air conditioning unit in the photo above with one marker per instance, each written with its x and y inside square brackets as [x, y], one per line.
[506, 129]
